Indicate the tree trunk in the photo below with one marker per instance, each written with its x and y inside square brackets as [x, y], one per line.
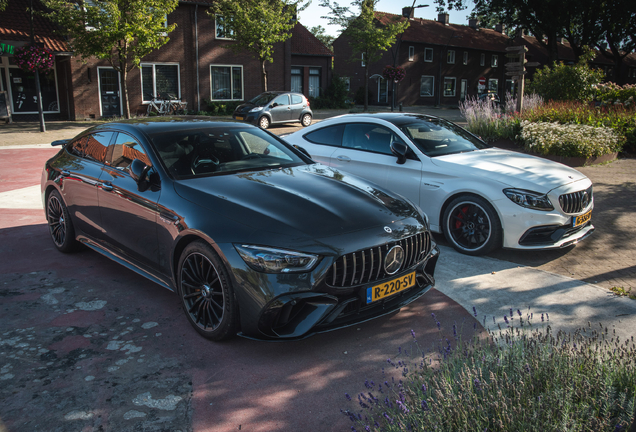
[39, 93]
[263, 75]
[123, 75]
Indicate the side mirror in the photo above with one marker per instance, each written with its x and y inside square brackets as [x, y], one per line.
[399, 149]
[139, 171]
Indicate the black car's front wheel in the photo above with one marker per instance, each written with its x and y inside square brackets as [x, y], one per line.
[263, 122]
[472, 226]
[60, 224]
[206, 292]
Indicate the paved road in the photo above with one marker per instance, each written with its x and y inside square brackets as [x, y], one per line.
[86, 344]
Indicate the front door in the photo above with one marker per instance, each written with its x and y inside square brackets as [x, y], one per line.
[109, 92]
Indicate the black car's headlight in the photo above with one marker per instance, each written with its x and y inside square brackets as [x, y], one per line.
[529, 199]
[257, 109]
[272, 260]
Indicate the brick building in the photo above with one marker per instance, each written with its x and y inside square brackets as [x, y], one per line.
[445, 62]
[196, 66]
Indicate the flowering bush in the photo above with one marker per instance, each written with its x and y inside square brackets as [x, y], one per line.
[391, 73]
[520, 378]
[32, 58]
[612, 94]
[569, 139]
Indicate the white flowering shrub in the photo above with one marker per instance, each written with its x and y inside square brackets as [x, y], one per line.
[571, 140]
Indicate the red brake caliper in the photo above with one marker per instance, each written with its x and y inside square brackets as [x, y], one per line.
[460, 215]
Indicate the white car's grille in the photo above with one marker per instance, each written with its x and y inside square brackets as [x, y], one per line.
[576, 202]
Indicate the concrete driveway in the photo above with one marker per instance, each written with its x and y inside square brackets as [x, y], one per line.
[88, 345]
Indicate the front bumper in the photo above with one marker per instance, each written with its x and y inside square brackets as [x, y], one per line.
[298, 315]
[248, 117]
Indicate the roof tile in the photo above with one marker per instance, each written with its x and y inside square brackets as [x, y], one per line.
[305, 43]
[15, 26]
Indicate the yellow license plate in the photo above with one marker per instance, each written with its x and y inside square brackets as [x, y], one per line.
[580, 220]
[391, 287]
[239, 118]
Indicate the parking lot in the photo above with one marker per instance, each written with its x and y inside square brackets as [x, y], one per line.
[88, 345]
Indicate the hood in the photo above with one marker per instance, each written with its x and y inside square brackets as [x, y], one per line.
[244, 108]
[314, 200]
[511, 168]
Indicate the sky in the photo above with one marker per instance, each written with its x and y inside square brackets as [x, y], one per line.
[310, 17]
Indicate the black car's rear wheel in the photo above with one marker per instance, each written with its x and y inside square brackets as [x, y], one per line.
[206, 292]
[472, 226]
[60, 225]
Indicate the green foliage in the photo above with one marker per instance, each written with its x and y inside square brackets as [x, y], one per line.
[359, 97]
[521, 377]
[221, 108]
[612, 94]
[563, 82]
[334, 97]
[3, 4]
[320, 33]
[120, 31]
[569, 140]
[257, 25]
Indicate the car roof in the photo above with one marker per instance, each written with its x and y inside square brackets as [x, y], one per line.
[154, 125]
[395, 118]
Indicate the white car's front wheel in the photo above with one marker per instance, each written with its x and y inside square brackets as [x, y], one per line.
[472, 226]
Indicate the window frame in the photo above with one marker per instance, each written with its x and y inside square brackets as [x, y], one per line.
[494, 60]
[212, 99]
[154, 79]
[411, 53]
[450, 56]
[465, 58]
[491, 80]
[216, 28]
[454, 79]
[362, 60]
[432, 86]
[428, 50]
[482, 59]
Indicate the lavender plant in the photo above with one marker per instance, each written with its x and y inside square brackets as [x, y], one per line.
[522, 377]
[485, 119]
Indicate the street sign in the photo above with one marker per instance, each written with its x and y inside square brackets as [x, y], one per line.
[515, 73]
[518, 49]
[482, 81]
[481, 86]
[533, 64]
[514, 66]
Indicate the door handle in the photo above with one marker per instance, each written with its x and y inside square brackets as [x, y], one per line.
[344, 158]
[66, 173]
[107, 186]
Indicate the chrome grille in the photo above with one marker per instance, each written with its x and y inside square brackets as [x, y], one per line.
[576, 202]
[368, 265]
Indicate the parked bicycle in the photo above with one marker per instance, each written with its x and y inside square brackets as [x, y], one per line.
[167, 104]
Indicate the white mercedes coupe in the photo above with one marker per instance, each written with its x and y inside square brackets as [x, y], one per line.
[480, 197]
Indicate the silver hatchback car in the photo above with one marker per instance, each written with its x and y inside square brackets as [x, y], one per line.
[275, 107]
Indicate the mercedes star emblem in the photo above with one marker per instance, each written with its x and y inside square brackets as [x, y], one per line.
[387, 229]
[393, 260]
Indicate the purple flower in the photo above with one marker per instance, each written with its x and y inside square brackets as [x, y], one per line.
[541, 317]
[347, 396]
[425, 406]
[413, 333]
[506, 319]
[518, 312]
[424, 388]
[474, 311]
[439, 326]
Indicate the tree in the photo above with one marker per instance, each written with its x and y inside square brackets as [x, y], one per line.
[120, 31]
[257, 25]
[618, 23]
[3, 4]
[320, 33]
[367, 37]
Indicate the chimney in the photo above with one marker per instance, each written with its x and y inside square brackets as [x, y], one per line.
[443, 18]
[501, 28]
[473, 23]
[408, 12]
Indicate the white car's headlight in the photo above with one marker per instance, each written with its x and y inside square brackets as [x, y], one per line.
[271, 260]
[529, 199]
[256, 109]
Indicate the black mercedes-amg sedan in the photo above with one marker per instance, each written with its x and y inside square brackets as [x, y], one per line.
[254, 237]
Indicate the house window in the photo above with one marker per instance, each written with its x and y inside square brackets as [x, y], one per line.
[314, 82]
[465, 60]
[382, 91]
[160, 80]
[427, 86]
[450, 57]
[482, 60]
[411, 53]
[449, 87]
[494, 60]
[510, 87]
[362, 62]
[347, 82]
[463, 89]
[222, 32]
[493, 85]
[23, 90]
[428, 54]
[297, 79]
[227, 82]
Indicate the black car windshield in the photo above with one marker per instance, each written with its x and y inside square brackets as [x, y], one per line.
[438, 137]
[263, 99]
[196, 152]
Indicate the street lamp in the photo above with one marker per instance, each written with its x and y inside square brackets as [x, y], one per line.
[397, 50]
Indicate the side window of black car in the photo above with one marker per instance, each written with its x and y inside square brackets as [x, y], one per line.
[296, 99]
[124, 150]
[331, 136]
[92, 147]
[281, 100]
